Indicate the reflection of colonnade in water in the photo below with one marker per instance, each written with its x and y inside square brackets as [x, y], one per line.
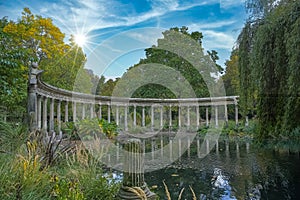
[172, 148]
[50, 106]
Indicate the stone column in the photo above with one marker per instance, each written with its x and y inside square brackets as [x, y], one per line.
[236, 115]
[39, 112]
[161, 117]
[206, 114]
[216, 116]
[66, 111]
[143, 116]
[226, 114]
[134, 185]
[170, 116]
[108, 113]
[45, 114]
[152, 117]
[58, 116]
[74, 112]
[125, 118]
[117, 115]
[134, 115]
[51, 120]
[197, 116]
[92, 111]
[100, 112]
[83, 111]
[188, 117]
[179, 116]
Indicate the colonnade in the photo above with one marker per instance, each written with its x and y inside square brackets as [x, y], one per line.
[53, 111]
[50, 106]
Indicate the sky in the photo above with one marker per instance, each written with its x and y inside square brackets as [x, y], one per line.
[116, 32]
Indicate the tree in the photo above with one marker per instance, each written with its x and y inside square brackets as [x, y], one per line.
[108, 87]
[45, 44]
[14, 74]
[34, 39]
[64, 70]
[83, 83]
[231, 77]
[214, 57]
[187, 60]
[100, 85]
[38, 34]
[269, 63]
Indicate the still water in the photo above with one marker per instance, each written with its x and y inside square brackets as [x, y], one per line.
[236, 170]
[232, 170]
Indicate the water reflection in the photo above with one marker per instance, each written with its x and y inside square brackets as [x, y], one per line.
[221, 182]
[245, 172]
[232, 170]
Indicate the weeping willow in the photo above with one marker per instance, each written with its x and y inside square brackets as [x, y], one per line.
[269, 66]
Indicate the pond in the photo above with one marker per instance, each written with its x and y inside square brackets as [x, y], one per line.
[232, 169]
[239, 171]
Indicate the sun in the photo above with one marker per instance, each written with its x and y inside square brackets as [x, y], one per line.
[80, 39]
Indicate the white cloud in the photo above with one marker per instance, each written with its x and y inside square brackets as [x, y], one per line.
[92, 15]
[148, 37]
[230, 3]
[210, 25]
[220, 40]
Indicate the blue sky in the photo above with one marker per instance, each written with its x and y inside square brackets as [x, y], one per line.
[118, 31]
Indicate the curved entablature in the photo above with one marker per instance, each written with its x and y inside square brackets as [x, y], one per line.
[50, 91]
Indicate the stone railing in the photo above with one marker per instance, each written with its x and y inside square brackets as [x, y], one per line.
[126, 112]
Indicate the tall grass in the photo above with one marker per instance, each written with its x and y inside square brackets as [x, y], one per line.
[180, 194]
[27, 173]
[12, 136]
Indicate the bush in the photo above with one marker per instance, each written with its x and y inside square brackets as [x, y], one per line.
[90, 127]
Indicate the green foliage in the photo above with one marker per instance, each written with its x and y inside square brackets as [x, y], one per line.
[23, 175]
[89, 127]
[231, 77]
[48, 147]
[66, 189]
[232, 131]
[106, 88]
[39, 35]
[268, 65]
[83, 82]
[14, 74]
[35, 38]
[69, 129]
[179, 51]
[12, 136]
